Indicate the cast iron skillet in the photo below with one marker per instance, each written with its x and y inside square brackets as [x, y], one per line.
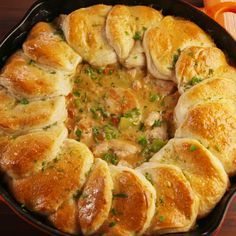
[47, 10]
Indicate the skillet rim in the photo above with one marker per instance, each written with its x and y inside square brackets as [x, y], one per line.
[19, 32]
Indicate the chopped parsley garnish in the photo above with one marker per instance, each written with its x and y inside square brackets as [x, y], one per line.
[157, 123]
[76, 93]
[148, 176]
[110, 158]
[99, 111]
[142, 141]
[157, 144]
[93, 111]
[154, 97]
[112, 224]
[192, 148]
[103, 112]
[175, 59]
[89, 71]
[195, 80]
[126, 32]
[114, 211]
[96, 133]
[44, 163]
[144, 28]
[49, 126]
[120, 195]
[24, 101]
[110, 132]
[137, 36]
[78, 133]
[161, 218]
[132, 113]
[100, 71]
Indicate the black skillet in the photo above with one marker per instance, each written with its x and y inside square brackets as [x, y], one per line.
[47, 10]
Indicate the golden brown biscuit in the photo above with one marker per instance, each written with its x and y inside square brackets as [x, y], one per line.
[176, 203]
[46, 46]
[24, 79]
[125, 27]
[203, 170]
[211, 90]
[57, 181]
[133, 203]
[22, 115]
[164, 43]
[95, 201]
[66, 217]
[23, 156]
[214, 124]
[196, 64]
[84, 30]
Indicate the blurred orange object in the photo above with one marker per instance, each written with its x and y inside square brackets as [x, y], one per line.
[223, 11]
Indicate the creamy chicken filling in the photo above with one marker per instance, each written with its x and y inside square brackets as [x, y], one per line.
[123, 116]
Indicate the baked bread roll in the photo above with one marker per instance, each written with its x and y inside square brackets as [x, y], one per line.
[210, 90]
[133, 204]
[196, 64]
[84, 30]
[203, 170]
[125, 27]
[95, 202]
[57, 181]
[164, 43]
[19, 161]
[46, 46]
[25, 79]
[22, 115]
[66, 217]
[176, 203]
[214, 124]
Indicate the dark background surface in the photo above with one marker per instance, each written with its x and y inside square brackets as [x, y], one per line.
[11, 11]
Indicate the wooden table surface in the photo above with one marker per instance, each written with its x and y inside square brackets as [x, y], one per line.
[11, 11]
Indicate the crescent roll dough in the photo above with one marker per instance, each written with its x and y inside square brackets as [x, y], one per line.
[57, 181]
[196, 64]
[22, 115]
[66, 217]
[24, 155]
[176, 203]
[25, 79]
[133, 204]
[164, 43]
[125, 27]
[203, 170]
[46, 46]
[84, 30]
[214, 124]
[95, 202]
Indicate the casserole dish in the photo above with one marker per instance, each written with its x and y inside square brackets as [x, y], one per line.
[47, 10]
